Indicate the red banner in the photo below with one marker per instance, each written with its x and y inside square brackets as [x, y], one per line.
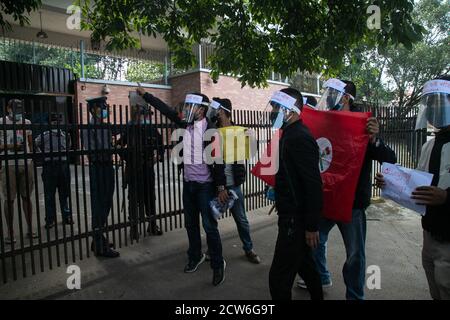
[342, 141]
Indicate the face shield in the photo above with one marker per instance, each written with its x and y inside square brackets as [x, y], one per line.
[435, 105]
[213, 110]
[192, 105]
[16, 112]
[280, 107]
[331, 99]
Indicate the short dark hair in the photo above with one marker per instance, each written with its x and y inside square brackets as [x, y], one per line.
[225, 103]
[311, 101]
[443, 77]
[350, 88]
[294, 93]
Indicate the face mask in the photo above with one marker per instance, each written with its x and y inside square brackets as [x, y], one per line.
[104, 113]
[145, 121]
[18, 117]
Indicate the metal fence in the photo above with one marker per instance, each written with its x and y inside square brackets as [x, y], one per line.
[29, 171]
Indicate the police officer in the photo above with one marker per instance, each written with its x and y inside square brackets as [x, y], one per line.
[144, 148]
[97, 140]
[55, 170]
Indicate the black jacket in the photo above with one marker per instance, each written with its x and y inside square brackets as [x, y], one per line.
[217, 170]
[298, 185]
[380, 152]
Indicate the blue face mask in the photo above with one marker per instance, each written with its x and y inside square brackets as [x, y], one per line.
[145, 121]
[105, 113]
[18, 117]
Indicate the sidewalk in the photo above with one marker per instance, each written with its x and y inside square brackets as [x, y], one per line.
[153, 269]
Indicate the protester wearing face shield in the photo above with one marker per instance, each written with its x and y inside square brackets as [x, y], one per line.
[54, 142]
[298, 199]
[97, 140]
[220, 112]
[202, 181]
[339, 96]
[435, 158]
[16, 176]
[144, 148]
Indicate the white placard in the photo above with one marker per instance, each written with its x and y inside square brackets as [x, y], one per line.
[434, 86]
[284, 99]
[193, 98]
[401, 182]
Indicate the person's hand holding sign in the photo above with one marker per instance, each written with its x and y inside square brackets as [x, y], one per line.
[430, 196]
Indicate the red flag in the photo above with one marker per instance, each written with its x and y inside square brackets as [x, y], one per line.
[265, 169]
[342, 141]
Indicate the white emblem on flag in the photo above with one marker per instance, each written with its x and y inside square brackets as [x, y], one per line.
[325, 153]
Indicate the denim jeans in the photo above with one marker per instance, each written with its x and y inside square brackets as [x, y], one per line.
[56, 176]
[196, 198]
[101, 176]
[354, 236]
[240, 217]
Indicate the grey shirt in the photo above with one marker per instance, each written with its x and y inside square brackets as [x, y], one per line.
[98, 138]
[53, 141]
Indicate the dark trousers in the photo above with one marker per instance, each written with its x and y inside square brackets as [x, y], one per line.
[141, 193]
[196, 198]
[101, 176]
[56, 175]
[292, 255]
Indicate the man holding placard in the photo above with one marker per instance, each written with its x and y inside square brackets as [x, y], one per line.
[435, 159]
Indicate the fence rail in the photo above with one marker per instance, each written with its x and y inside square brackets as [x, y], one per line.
[133, 154]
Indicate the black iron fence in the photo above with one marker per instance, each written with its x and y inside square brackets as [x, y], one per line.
[143, 186]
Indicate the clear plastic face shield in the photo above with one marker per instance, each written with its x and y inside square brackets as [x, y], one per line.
[213, 111]
[281, 106]
[332, 98]
[191, 108]
[16, 110]
[435, 105]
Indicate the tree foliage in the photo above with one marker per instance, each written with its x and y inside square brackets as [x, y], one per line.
[253, 37]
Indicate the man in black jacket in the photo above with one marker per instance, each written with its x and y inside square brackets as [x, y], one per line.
[202, 181]
[353, 233]
[298, 199]
[235, 174]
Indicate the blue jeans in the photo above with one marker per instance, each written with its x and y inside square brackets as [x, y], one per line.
[56, 175]
[101, 177]
[196, 198]
[354, 236]
[243, 227]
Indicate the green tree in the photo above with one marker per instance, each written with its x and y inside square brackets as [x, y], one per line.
[140, 71]
[18, 9]
[253, 37]
[405, 70]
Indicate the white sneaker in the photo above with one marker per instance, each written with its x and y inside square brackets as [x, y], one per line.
[301, 284]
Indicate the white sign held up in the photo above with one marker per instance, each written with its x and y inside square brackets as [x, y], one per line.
[401, 182]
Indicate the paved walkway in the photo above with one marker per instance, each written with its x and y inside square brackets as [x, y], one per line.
[153, 269]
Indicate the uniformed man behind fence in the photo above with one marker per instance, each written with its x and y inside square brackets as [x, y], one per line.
[54, 143]
[97, 140]
[144, 148]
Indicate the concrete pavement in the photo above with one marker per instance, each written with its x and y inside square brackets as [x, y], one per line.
[153, 269]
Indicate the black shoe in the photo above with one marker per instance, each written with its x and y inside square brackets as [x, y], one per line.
[48, 225]
[110, 245]
[154, 230]
[108, 253]
[253, 257]
[68, 221]
[193, 265]
[219, 275]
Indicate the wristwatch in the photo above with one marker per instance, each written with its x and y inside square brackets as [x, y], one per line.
[220, 188]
